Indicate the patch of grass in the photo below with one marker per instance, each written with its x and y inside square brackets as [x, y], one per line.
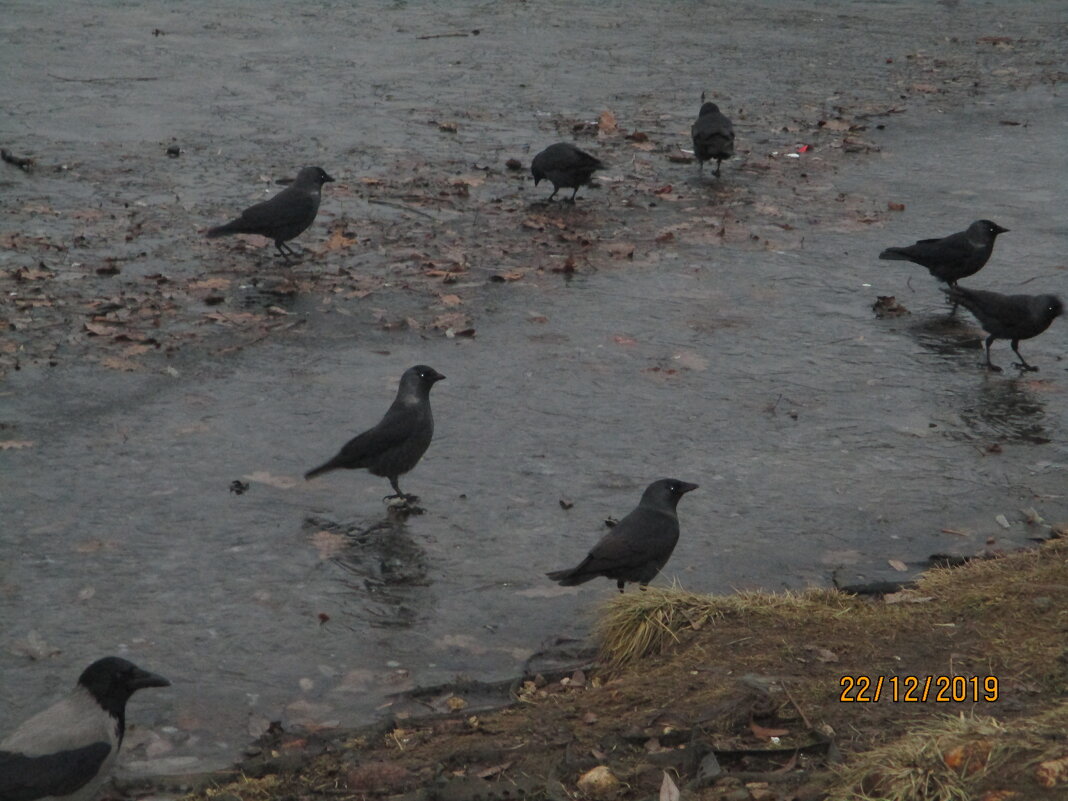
[639, 624]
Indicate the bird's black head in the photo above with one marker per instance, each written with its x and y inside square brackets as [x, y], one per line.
[112, 680]
[666, 492]
[422, 375]
[1053, 306]
[708, 108]
[991, 228]
[313, 176]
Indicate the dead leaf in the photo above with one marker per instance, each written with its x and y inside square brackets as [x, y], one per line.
[620, 250]
[606, 123]
[101, 329]
[490, 772]
[15, 444]
[834, 125]
[925, 88]
[328, 544]
[455, 703]
[448, 127]
[450, 300]
[619, 339]
[898, 565]
[895, 206]
[125, 365]
[669, 791]
[971, 757]
[209, 283]
[762, 733]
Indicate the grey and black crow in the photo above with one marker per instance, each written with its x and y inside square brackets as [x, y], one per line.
[1012, 317]
[67, 751]
[398, 442]
[285, 216]
[639, 545]
[564, 165]
[713, 135]
[952, 257]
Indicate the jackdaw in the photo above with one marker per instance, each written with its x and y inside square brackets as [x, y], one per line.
[285, 216]
[952, 257]
[639, 545]
[1012, 317]
[66, 751]
[713, 135]
[565, 166]
[398, 442]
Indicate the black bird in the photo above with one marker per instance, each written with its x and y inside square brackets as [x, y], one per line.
[639, 545]
[952, 257]
[398, 442]
[565, 166]
[713, 135]
[285, 216]
[66, 751]
[1012, 317]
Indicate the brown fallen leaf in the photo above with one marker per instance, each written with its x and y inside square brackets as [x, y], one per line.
[619, 339]
[762, 733]
[328, 544]
[898, 565]
[968, 758]
[620, 250]
[895, 206]
[15, 444]
[450, 300]
[606, 123]
[125, 365]
[925, 88]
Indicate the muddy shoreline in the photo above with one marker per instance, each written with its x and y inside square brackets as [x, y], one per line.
[724, 326]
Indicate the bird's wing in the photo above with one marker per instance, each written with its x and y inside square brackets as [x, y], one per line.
[954, 246]
[391, 431]
[638, 538]
[288, 207]
[26, 778]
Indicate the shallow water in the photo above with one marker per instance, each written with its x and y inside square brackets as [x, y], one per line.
[825, 441]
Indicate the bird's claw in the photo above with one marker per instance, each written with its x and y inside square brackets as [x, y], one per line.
[991, 367]
[1027, 368]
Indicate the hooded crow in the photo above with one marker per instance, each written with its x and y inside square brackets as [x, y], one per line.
[398, 442]
[285, 216]
[1012, 317]
[66, 751]
[566, 166]
[639, 545]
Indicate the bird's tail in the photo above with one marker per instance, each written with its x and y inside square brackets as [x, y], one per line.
[895, 254]
[570, 577]
[318, 471]
[223, 230]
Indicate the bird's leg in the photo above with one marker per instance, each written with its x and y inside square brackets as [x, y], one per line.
[1023, 365]
[572, 198]
[989, 364]
[555, 190]
[619, 585]
[716, 173]
[282, 249]
[398, 494]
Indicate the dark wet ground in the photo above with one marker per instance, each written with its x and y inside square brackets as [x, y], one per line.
[721, 332]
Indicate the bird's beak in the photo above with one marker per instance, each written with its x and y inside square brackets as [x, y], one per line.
[438, 376]
[329, 179]
[999, 230]
[537, 181]
[142, 679]
[686, 487]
